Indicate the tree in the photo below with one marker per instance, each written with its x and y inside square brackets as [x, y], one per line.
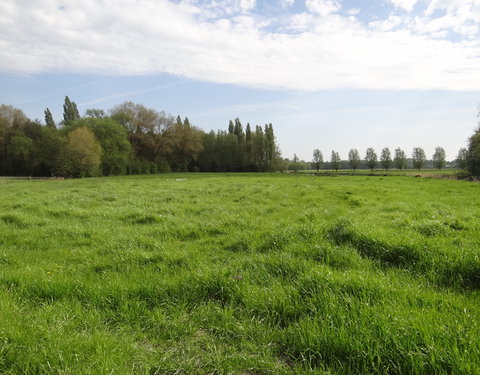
[70, 111]
[49, 118]
[95, 113]
[81, 154]
[12, 117]
[371, 158]
[184, 143]
[439, 158]
[400, 159]
[249, 147]
[295, 164]
[418, 158]
[19, 149]
[116, 149]
[46, 150]
[462, 158]
[354, 158]
[335, 160]
[317, 159]
[473, 159]
[386, 158]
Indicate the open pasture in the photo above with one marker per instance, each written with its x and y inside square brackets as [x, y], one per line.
[240, 274]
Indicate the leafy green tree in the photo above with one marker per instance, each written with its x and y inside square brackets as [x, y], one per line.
[462, 157]
[354, 159]
[439, 158]
[113, 139]
[418, 158]
[46, 151]
[184, 143]
[249, 148]
[260, 154]
[473, 159]
[12, 117]
[317, 159]
[81, 154]
[371, 158]
[70, 111]
[19, 149]
[49, 118]
[231, 127]
[335, 160]
[295, 164]
[386, 159]
[95, 113]
[400, 159]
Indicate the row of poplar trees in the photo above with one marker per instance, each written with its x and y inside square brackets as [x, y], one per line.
[128, 139]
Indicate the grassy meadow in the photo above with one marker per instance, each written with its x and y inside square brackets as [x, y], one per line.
[240, 274]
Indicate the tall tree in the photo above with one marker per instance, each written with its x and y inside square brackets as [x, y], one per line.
[95, 113]
[70, 111]
[295, 165]
[473, 160]
[418, 158]
[81, 155]
[270, 148]
[439, 158]
[249, 148]
[386, 158]
[116, 149]
[335, 160]
[371, 158]
[462, 158]
[400, 159]
[184, 143]
[354, 158]
[317, 159]
[260, 159]
[49, 118]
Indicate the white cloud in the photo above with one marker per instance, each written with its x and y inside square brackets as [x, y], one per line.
[386, 25]
[127, 37]
[404, 4]
[247, 5]
[323, 7]
[286, 3]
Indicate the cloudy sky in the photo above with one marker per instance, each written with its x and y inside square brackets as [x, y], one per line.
[329, 74]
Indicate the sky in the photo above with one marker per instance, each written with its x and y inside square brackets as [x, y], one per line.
[328, 74]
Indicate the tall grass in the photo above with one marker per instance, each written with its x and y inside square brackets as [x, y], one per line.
[240, 274]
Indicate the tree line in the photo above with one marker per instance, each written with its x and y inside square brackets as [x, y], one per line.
[399, 160]
[128, 139]
[386, 160]
[468, 158]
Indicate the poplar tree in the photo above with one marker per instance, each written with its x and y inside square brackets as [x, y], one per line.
[49, 118]
[70, 111]
[400, 159]
[439, 158]
[335, 160]
[354, 158]
[386, 158]
[473, 159]
[249, 146]
[418, 158]
[317, 158]
[461, 160]
[371, 158]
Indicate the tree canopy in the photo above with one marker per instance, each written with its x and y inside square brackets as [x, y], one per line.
[129, 138]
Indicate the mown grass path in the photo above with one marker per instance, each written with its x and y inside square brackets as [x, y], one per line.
[240, 274]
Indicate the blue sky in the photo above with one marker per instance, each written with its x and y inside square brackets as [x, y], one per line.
[328, 74]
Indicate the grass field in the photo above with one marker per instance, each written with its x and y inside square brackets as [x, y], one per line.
[241, 274]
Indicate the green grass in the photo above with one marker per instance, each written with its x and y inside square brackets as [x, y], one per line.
[240, 274]
[433, 173]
